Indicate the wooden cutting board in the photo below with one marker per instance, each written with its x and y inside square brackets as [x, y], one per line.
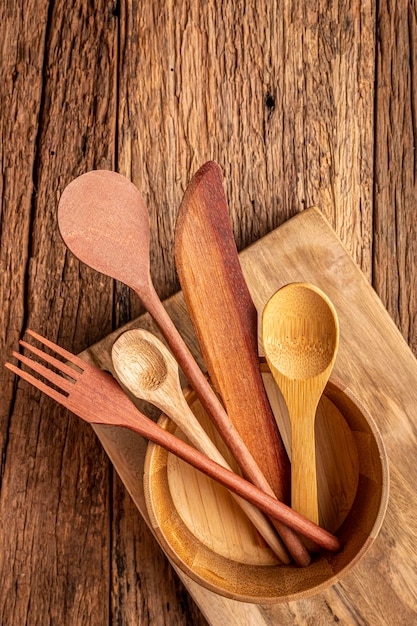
[378, 366]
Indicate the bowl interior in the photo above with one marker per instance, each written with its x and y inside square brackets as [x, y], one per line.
[204, 532]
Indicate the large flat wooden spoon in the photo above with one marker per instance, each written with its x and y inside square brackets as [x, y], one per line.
[225, 321]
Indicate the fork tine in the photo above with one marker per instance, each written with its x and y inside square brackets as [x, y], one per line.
[52, 393]
[55, 379]
[59, 365]
[61, 351]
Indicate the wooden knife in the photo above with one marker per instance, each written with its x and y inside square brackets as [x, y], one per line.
[225, 320]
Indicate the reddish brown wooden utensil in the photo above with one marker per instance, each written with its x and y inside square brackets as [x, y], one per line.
[97, 398]
[104, 222]
[225, 321]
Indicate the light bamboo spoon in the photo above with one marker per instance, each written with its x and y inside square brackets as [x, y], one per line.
[300, 337]
[146, 368]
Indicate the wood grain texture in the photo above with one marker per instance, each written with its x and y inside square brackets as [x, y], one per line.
[54, 475]
[395, 224]
[283, 96]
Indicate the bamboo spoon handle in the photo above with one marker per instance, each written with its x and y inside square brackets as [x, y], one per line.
[300, 332]
[304, 501]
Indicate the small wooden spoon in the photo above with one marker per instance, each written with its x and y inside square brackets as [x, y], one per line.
[300, 338]
[148, 370]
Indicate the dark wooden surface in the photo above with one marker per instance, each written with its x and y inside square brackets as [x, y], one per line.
[299, 105]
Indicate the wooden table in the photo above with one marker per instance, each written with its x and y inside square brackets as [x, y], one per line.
[299, 106]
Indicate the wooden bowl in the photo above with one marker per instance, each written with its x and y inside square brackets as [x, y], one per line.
[204, 532]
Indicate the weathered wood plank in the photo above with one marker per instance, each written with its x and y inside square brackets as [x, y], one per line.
[395, 231]
[60, 111]
[279, 94]
[55, 481]
[145, 588]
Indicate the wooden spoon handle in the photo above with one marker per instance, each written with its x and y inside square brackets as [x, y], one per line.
[202, 388]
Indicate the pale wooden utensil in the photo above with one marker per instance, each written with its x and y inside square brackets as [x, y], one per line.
[225, 320]
[96, 397]
[300, 333]
[104, 222]
[148, 370]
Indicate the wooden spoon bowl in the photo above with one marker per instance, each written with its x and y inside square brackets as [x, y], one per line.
[205, 534]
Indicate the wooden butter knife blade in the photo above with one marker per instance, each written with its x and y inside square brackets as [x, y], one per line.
[225, 321]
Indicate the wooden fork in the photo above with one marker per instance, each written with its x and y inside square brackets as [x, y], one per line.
[97, 398]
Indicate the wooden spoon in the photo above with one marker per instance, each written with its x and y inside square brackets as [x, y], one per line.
[148, 370]
[300, 337]
[104, 222]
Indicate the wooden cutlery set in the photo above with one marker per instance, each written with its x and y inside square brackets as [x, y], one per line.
[104, 222]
